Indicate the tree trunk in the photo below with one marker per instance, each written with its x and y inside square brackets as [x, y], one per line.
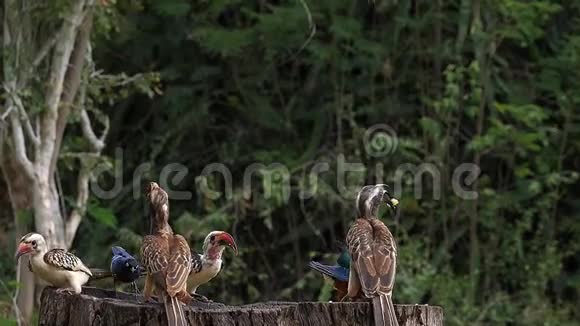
[19, 190]
[102, 307]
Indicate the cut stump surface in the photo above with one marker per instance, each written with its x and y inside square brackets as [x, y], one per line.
[100, 307]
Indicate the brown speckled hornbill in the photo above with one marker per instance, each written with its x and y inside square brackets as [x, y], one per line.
[206, 266]
[374, 254]
[57, 267]
[166, 257]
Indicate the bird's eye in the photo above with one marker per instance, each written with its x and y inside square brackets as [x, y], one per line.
[212, 238]
[33, 243]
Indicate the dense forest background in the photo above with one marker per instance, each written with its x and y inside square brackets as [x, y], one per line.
[490, 82]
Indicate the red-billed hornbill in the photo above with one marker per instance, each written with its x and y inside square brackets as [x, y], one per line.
[167, 258]
[57, 267]
[206, 266]
[374, 254]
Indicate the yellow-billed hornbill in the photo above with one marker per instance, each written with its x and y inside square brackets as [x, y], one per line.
[374, 254]
[57, 267]
[206, 266]
[166, 257]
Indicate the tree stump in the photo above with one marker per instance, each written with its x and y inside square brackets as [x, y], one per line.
[99, 307]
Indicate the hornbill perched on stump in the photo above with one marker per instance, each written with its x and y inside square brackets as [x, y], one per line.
[206, 266]
[166, 257]
[374, 254]
[57, 267]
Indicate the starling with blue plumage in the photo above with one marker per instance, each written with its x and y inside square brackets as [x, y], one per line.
[337, 275]
[124, 267]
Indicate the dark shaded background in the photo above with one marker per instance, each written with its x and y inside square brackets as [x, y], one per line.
[493, 83]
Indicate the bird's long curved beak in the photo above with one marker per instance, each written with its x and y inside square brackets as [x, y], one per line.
[23, 249]
[391, 201]
[149, 188]
[227, 239]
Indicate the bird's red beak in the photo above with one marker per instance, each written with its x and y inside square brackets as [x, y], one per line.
[227, 239]
[23, 249]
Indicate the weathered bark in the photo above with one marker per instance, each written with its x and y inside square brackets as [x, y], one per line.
[32, 149]
[19, 190]
[72, 83]
[101, 307]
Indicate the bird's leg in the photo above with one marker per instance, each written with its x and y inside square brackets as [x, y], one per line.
[135, 288]
[65, 290]
[184, 297]
[200, 297]
[115, 288]
[148, 288]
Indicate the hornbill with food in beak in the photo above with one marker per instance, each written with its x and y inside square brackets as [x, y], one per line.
[206, 266]
[336, 275]
[374, 254]
[166, 257]
[57, 267]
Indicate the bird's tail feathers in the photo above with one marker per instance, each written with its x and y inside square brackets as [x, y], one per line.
[336, 272]
[384, 311]
[174, 311]
[100, 273]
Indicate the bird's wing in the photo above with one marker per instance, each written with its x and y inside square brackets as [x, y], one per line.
[179, 265]
[371, 259]
[196, 263]
[154, 256]
[119, 251]
[63, 259]
[385, 256]
[338, 273]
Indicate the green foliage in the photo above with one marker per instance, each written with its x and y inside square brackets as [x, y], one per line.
[102, 215]
[490, 82]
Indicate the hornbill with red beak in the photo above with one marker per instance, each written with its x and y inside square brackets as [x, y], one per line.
[166, 257]
[206, 266]
[374, 254]
[57, 267]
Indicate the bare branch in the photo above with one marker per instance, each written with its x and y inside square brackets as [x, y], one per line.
[32, 135]
[6, 113]
[28, 126]
[81, 155]
[87, 161]
[106, 125]
[80, 207]
[17, 101]
[73, 80]
[62, 54]
[96, 143]
[40, 56]
[20, 146]
[45, 48]
[311, 26]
